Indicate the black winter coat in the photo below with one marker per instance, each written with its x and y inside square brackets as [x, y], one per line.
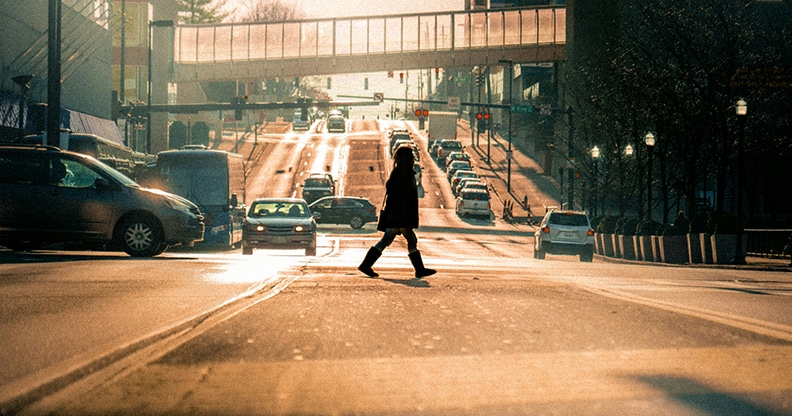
[401, 202]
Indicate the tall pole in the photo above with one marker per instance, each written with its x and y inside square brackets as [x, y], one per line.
[509, 151]
[53, 73]
[742, 111]
[148, 91]
[571, 157]
[649, 139]
[121, 86]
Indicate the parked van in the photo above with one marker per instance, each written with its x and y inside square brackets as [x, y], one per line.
[49, 195]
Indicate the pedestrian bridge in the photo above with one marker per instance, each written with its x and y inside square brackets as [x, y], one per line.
[369, 44]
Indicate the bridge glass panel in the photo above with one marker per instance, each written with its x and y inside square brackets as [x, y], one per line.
[478, 30]
[376, 38]
[205, 45]
[444, 30]
[326, 38]
[393, 34]
[410, 34]
[560, 19]
[291, 40]
[359, 39]
[186, 39]
[240, 42]
[495, 26]
[308, 39]
[223, 43]
[511, 29]
[258, 46]
[546, 20]
[343, 36]
[274, 41]
[462, 31]
[426, 33]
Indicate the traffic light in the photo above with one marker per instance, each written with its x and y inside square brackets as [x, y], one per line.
[418, 112]
[238, 103]
[425, 113]
[401, 77]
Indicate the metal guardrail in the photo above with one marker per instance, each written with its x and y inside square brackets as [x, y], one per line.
[767, 243]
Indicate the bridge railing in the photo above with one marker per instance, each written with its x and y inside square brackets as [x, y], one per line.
[427, 32]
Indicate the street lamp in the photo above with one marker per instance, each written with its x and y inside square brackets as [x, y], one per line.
[595, 154]
[24, 83]
[741, 109]
[152, 25]
[649, 140]
[510, 63]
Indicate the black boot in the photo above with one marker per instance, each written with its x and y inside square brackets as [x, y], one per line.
[371, 257]
[417, 262]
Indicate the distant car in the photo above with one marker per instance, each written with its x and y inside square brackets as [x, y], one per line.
[299, 122]
[336, 122]
[462, 174]
[57, 196]
[474, 203]
[454, 156]
[399, 134]
[565, 232]
[446, 147]
[453, 167]
[475, 184]
[403, 142]
[354, 211]
[433, 147]
[318, 185]
[418, 172]
[279, 223]
[462, 183]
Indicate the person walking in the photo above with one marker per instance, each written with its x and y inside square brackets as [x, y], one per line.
[399, 215]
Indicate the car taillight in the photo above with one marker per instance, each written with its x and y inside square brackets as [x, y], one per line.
[590, 232]
[546, 230]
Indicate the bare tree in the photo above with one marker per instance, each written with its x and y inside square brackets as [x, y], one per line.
[267, 11]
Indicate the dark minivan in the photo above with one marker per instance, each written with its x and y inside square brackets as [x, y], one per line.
[49, 195]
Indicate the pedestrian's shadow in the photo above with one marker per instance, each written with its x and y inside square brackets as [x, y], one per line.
[410, 282]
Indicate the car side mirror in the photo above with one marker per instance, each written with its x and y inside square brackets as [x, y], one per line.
[316, 215]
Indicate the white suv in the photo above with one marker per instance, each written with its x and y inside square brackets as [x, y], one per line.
[565, 232]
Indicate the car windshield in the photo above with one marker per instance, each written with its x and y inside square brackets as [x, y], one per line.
[316, 183]
[279, 209]
[576, 220]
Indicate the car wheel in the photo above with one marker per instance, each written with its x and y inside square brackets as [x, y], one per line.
[356, 222]
[246, 249]
[140, 236]
[539, 254]
[311, 251]
[587, 256]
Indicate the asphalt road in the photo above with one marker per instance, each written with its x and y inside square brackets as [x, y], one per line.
[495, 332]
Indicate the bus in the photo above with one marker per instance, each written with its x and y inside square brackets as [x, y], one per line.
[214, 180]
[115, 155]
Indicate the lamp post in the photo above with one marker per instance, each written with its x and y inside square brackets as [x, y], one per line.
[510, 63]
[595, 154]
[24, 83]
[741, 109]
[649, 140]
[152, 24]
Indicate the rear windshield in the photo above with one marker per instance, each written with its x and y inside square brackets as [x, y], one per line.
[568, 219]
[476, 196]
[317, 183]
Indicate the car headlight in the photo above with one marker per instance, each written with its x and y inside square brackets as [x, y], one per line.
[300, 228]
[258, 228]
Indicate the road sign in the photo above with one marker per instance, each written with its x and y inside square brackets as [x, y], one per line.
[454, 103]
[522, 109]
[545, 110]
[378, 96]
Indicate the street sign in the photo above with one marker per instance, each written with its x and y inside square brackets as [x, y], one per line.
[522, 109]
[454, 103]
[378, 96]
